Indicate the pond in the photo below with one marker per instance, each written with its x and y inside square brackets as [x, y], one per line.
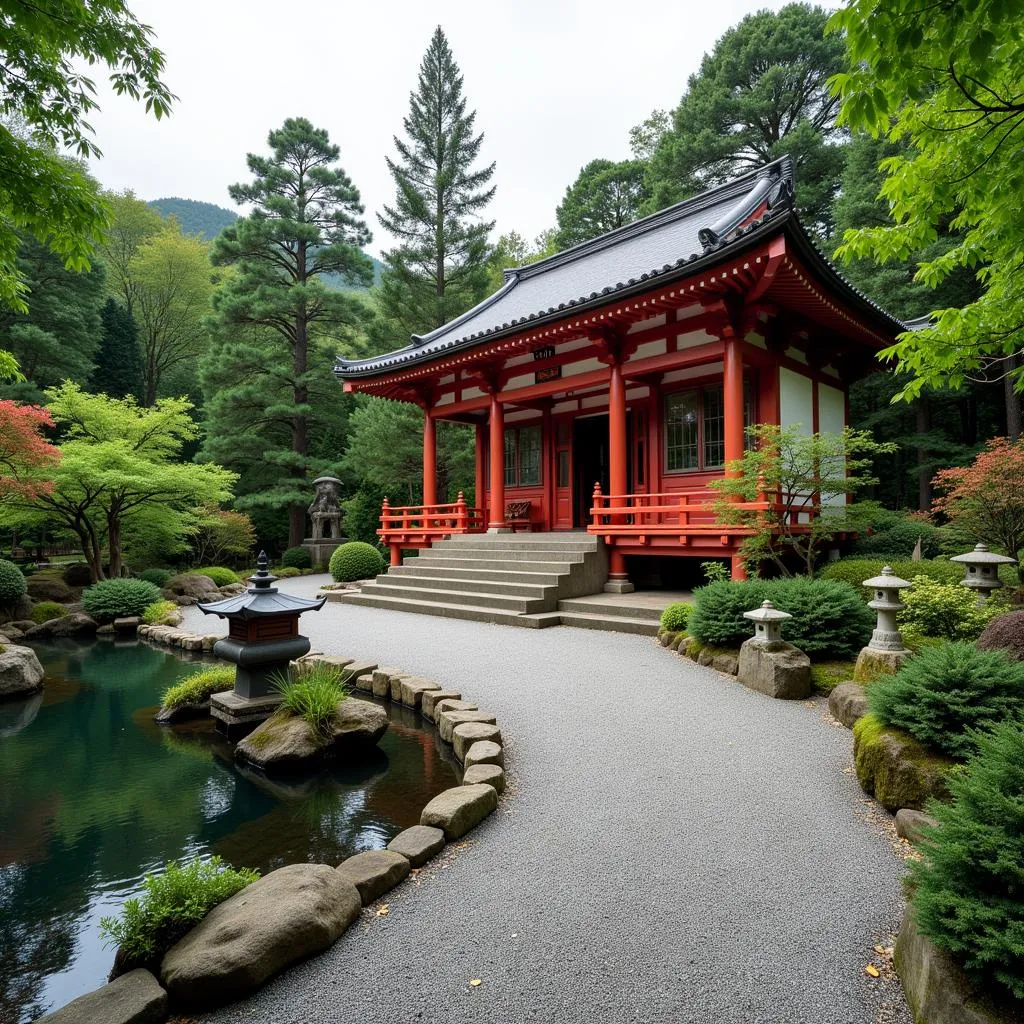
[93, 794]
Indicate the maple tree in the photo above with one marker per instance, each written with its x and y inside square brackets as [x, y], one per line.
[25, 455]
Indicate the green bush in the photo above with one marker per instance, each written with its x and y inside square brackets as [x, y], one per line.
[221, 576]
[967, 892]
[158, 577]
[172, 904]
[12, 582]
[47, 610]
[356, 561]
[313, 695]
[297, 558]
[856, 570]
[198, 687]
[945, 693]
[675, 617]
[157, 613]
[948, 611]
[896, 534]
[287, 572]
[1005, 633]
[829, 619]
[77, 574]
[112, 599]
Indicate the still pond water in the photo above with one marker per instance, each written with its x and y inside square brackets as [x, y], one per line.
[93, 794]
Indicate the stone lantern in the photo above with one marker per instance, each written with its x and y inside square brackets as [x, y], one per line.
[885, 651]
[982, 570]
[768, 622]
[263, 637]
[325, 514]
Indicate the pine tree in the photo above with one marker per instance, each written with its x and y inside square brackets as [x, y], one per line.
[118, 369]
[604, 196]
[439, 268]
[261, 378]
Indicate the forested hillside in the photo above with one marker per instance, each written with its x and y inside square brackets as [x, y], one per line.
[195, 218]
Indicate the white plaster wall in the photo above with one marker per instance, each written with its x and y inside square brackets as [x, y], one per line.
[796, 400]
[831, 420]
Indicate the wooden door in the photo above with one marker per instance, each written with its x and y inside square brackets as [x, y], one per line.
[563, 475]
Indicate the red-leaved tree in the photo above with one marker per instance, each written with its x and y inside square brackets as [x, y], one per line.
[25, 455]
[985, 500]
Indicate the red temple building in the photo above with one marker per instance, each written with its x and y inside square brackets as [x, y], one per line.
[610, 383]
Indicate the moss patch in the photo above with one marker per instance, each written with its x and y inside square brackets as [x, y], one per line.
[827, 675]
[198, 687]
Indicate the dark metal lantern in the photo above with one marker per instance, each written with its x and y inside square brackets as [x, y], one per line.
[263, 631]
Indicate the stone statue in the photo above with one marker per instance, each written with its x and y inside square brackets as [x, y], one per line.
[325, 510]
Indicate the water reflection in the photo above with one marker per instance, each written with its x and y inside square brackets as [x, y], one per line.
[93, 794]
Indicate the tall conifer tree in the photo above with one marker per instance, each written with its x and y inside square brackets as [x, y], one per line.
[118, 369]
[305, 224]
[439, 267]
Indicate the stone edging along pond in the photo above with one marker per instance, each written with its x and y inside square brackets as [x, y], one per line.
[301, 909]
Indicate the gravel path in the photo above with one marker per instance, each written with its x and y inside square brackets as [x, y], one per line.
[673, 848]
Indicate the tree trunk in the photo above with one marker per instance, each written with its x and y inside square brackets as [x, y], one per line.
[1014, 422]
[300, 422]
[114, 543]
[924, 476]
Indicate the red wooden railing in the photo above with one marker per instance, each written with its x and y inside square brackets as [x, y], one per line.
[417, 526]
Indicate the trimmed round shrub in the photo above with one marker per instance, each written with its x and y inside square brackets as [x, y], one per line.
[1005, 633]
[78, 574]
[896, 534]
[829, 619]
[948, 611]
[856, 570]
[356, 561]
[221, 576]
[675, 617]
[113, 599]
[46, 610]
[297, 558]
[158, 577]
[967, 894]
[944, 694]
[286, 572]
[12, 582]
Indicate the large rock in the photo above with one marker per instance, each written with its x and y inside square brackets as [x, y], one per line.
[418, 844]
[848, 702]
[936, 987]
[20, 672]
[48, 588]
[18, 609]
[374, 872]
[485, 752]
[468, 733]
[911, 825]
[727, 663]
[284, 742]
[776, 669]
[134, 998]
[447, 721]
[75, 624]
[286, 916]
[194, 587]
[894, 768]
[457, 810]
[491, 774]
[872, 664]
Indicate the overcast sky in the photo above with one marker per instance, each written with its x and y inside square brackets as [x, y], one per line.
[555, 83]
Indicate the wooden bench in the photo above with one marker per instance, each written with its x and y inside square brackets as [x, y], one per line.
[517, 513]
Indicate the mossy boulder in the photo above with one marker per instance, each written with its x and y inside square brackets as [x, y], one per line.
[872, 665]
[894, 768]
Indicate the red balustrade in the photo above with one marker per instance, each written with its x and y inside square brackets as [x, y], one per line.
[418, 526]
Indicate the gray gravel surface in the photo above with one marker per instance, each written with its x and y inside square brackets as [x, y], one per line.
[673, 848]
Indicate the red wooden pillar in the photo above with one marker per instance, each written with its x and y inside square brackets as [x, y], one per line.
[429, 459]
[618, 482]
[496, 519]
[479, 481]
[732, 388]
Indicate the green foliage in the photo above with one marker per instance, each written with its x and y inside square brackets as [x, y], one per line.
[967, 888]
[76, 574]
[944, 694]
[220, 535]
[12, 582]
[199, 686]
[897, 534]
[1005, 633]
[158, 577]
[605, 196]
[356, 561]
[762, 93]
[827, 675]
[829, 620]
[205, 219]
[298, 558]
[856, 570]
[286, 572]
[439, 267]
[944, 81]
[171, 904]
[118, 368]
[945, 610]
[218, 573]
[715, 571]
[45, 100]
[675, 617]
[113, 599]
[46, 610]
[159, 613]
[314, 695]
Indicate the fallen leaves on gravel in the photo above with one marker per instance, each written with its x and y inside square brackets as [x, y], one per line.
[872, 970]
[476, 982]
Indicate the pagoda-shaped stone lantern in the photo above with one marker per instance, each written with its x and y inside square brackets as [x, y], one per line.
[767, 663]
[982, 570]
[263, 637]
[885, 651]
[768, 622]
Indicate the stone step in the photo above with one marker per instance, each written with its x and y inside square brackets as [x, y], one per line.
[595, 606]
[553, 556]
[424, 570]
[446, 561]
[609, 623]
[529, 541]
[476, 613]
[392, 587]
[502, 588]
